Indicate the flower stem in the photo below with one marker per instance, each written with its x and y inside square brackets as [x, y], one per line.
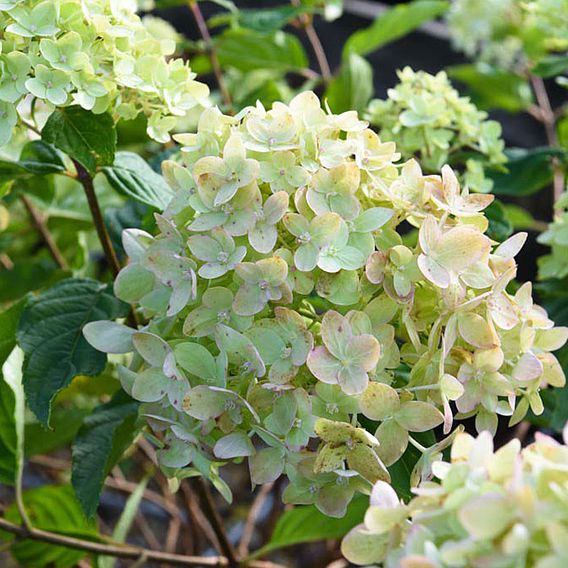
[87, 182]
[41, 227]
[548, 119]
[211, 51]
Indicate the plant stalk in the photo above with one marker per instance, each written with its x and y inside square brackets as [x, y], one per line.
[211, 51]
[41, 227]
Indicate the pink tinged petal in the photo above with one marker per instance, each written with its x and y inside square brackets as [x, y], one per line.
[461, 247]
[429, 234]
[335, 333]
[375, 268]
[363, 351]
[529, 367]
[323, 365]
[433, 272]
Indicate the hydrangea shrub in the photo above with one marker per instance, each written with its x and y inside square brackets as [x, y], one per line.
[97, 54]
[485, 508]
[301, 286]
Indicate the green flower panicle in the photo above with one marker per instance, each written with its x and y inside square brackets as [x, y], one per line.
[97, 54]
[287, 313]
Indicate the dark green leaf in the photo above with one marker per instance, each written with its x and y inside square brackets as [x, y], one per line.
[263, 20]
[500, 228]
[247, 50]
[86, 137]
[8, 326]
[307, 524]
[102, 439]
[50, 333]
[65, 423]
[551, 66]
[27, 275]
[131, 175]
[52, 508]
[37, 158]
[492, 88]
[352, 89]
[529, 171]
[393, 24]
[131, 215]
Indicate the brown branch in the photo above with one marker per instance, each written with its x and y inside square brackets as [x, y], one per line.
[255, 509]
[548, 119]
[118, 551]
[211, 51]
[213, 516]
[46, 236]
[317, 47]
[86, 181]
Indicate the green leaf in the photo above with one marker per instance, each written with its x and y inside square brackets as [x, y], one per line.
[50, 333]
[353, 88]
[37, 158]
[131, 175]
[88, 138]
[8, 326]
[263, 20]
[100, 443]
[529, 171]
[394, 24]
[12, 410]
[551, 66]
[247, 50]
[493, 88]
[65, 423]
[500, 227]
[307, 524]
[51, 508]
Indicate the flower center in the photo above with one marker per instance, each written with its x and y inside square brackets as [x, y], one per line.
[285, 353]
[229, 405]
[332, 408]
[263, 284]
[223, 257]
[223, 316]
[304, 238]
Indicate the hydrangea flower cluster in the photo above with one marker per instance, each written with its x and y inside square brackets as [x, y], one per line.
[509, 33]
[94, 53]
[284, 305]
[555, 264]
[429, 119]
[494, 509]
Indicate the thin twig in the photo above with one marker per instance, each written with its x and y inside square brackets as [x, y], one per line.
[198, 518]
[307, 23]
[211, 51]
[86, 181]
[213, 516]
[119, 551]
[548, 119]
[254, 511]
[41, 227]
